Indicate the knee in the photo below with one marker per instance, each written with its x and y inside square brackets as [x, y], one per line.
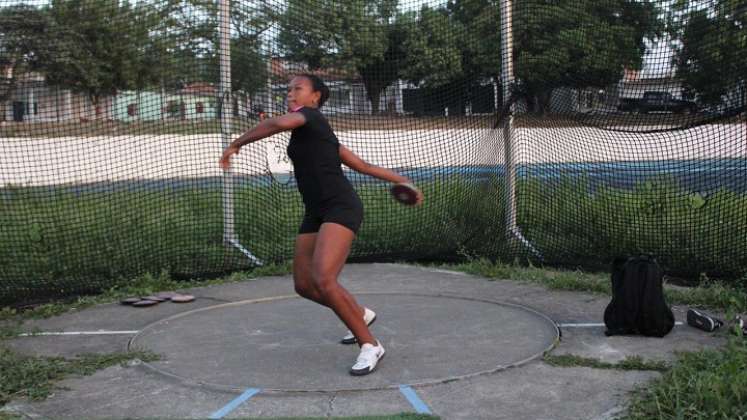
[325, 284]
[302, 283]
[304, 290]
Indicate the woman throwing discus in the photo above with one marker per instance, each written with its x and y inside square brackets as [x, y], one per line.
[334, 211]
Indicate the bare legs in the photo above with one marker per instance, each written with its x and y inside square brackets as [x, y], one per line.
[319, 258]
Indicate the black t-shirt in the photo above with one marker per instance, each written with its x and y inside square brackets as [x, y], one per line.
[315, 152]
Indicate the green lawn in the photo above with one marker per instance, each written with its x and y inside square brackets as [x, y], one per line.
[65, 243]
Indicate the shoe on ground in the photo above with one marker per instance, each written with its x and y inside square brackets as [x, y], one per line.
[369, 316]
[367, 359]
[703, 321]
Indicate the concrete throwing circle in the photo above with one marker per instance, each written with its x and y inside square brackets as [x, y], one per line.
[290, 344]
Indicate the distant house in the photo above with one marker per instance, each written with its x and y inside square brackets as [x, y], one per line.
[195, 101]
[634, 84]
[30, 99]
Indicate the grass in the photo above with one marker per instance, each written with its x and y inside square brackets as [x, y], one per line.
[629, 363]
[34, 377]
[574, 224]
[709, 384]
[67, 243]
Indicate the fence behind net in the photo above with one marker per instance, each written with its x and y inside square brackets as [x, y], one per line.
[565, 133]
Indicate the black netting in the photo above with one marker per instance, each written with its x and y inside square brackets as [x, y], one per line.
[564, 132]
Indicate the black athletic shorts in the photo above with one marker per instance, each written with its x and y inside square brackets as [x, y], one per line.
[349, 215]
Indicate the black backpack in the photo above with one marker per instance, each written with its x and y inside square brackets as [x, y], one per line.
[637, 305]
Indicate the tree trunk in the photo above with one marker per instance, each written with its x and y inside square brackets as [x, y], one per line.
[531, 103]
[95, 104]
[57, 102]
[162, 111]
[544, 102]
[374, 87]
[374, 96]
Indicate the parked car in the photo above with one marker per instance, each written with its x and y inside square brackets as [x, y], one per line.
[654, 101]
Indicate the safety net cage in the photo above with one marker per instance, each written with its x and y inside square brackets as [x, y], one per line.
[565, 133]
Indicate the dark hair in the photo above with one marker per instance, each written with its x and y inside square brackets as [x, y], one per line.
[317, 84]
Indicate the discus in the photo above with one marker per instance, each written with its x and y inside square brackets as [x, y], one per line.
[182, 298]
[129, 300]
[166, 295]
[145, 302]
[405, 193]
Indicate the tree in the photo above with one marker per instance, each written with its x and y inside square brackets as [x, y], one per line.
[23, 40]
[579, 44]
[478, 32]
[95, 47]
[350, 35]
[193, 43]
[433, 55]
[711, 55]
[556, 44]
[147, 30]
[248, 66]
[479, 42]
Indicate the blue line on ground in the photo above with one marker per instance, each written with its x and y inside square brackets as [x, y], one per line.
[235, 403]
[414, 400]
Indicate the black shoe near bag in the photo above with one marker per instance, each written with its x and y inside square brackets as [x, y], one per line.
[703, 321]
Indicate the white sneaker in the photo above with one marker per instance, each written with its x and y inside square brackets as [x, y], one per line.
[367, 359]
[369, 316]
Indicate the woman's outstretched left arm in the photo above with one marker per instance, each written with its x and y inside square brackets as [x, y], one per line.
[354, 162]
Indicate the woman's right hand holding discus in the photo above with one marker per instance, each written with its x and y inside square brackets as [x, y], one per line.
[407, 194]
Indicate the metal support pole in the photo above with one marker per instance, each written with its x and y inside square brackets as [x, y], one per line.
[226, 113]
[269, 98]
[507, 81]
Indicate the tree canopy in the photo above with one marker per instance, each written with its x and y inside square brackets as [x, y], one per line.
[711, 52]
[102, 46]
[99, 47]
[557, 44]
[584, 43]
[354, 35]
[23, 44]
